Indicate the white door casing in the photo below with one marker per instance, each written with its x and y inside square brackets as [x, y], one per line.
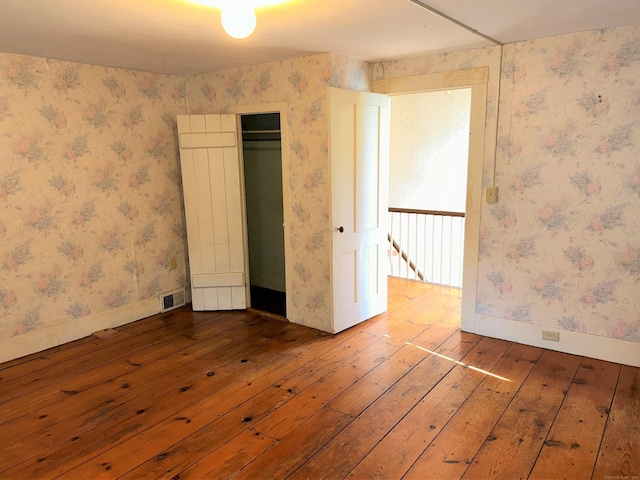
[476, 79]
[359, 162]
[213, 201]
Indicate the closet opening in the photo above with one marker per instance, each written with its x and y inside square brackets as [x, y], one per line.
[262, 159]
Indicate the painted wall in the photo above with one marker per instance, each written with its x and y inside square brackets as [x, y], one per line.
[265, 231]
[429, 150]
[303, 84]
[90, 205]
[561, 247]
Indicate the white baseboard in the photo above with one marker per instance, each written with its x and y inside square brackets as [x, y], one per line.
[38, 340]
[576, 343]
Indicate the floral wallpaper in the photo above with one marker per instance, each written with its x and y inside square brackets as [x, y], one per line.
[302, 83]
[562, 247]
[90, 204]
[90, 196]
[91, 210]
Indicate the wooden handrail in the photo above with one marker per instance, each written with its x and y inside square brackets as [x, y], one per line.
[405, 257]
[427, 212]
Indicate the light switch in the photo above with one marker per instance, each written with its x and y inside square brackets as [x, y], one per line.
[492, 194]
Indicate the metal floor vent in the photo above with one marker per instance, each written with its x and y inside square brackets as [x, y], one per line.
[173, 299]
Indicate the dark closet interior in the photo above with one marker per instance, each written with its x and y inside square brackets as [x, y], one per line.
[262, 156]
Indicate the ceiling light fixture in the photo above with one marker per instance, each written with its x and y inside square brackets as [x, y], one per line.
[238, 19]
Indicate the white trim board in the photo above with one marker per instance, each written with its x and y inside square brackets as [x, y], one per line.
[576, 343]
[432, 81]
[54, 335]
[476, 79]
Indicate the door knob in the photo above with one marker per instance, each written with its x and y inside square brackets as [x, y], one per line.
[340, 229]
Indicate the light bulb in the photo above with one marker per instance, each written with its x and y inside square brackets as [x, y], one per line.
[238, 20]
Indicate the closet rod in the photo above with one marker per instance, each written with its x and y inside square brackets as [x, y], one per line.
[261, 131]
[261, 140]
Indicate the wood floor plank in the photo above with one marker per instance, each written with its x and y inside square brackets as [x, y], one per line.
[415, 311]
[317, 395]
[310, 373]
[358, 396]
[333, 355]
[235, 394]
[512, 446]
[11, 375]
[429, 315]
[357, 343]
[343, 453]
[397, 452]
[286, 456]
[619, 455]
[107, 374]
[341, 379]
[230, 458]
[378, 380]
[303, 406]
[80, 415]
[43, 398]
[75, 384]
[63, 351]
[571, 447]
[166, 462]
[145, 414]
[88, 362]
[154, 434]
[91, 344]
[446, 456]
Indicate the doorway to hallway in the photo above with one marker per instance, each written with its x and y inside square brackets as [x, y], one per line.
[429, 151]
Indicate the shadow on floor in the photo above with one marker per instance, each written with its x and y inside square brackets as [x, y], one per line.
[268, 300]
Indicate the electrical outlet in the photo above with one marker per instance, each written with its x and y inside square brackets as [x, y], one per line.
[492, 194]
[173, 263]
[551, 336]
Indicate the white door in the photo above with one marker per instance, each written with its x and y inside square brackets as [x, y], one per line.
[359, 171]
[213, 208]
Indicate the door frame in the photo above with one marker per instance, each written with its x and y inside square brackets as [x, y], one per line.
[476, 79]
[282, 109]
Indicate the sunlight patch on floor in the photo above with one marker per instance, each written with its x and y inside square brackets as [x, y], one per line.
[459, 363]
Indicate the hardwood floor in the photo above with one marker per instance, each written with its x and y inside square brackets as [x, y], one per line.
[232, 394]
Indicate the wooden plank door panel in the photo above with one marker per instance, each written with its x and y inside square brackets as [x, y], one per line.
[213, 210]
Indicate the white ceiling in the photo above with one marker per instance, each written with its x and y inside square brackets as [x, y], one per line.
[181, 37]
